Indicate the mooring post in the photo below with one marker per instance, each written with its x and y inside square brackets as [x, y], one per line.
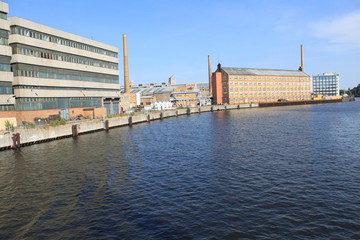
[211, 109]
[188, 111]
[16, 140]
[106, 125]
[74, 130]
[130, 121]
[148, 117]
[161, 116]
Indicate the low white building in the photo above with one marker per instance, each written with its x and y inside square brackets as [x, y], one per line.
[161, 105]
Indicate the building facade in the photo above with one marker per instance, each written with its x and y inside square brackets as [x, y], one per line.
[246, 85]
[56, 71]
[7, 99]
[327, 84]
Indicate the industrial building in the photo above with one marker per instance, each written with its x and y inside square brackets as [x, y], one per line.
[246, 85]
[327, 84]
[59, 71]
[46, 72]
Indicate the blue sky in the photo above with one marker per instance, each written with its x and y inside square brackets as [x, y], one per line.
[174, 37]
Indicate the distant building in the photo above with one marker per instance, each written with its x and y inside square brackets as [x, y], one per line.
[204, 95]
[184, 96]
[327, 84]
[245, 85]
[153, 93]
[172, 81]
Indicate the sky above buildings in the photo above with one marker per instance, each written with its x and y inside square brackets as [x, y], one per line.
[174, 37]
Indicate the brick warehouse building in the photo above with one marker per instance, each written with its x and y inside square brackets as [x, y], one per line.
[245, 85]
[56, 72]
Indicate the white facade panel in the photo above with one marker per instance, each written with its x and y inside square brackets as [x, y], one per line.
[55, 32]
[17, 58]
[16, 38]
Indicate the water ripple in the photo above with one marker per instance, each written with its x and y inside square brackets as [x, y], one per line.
[272, 173]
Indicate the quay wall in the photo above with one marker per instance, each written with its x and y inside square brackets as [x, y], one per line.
[49, 133]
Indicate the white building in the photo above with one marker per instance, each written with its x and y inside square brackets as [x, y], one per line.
[59, 71]
[327, 84]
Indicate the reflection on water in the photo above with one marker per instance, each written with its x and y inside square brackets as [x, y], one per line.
[270, 173]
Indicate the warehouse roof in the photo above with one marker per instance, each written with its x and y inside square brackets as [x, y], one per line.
[153, 90]
[264, 72]
[203, 85]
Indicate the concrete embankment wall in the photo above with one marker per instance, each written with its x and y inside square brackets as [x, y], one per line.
[277, 104]
[48, 133]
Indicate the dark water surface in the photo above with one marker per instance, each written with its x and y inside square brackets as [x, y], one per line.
[270, 173]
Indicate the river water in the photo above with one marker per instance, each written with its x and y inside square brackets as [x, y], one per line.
[268, 173]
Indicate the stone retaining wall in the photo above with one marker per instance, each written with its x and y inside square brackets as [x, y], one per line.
[48, 133]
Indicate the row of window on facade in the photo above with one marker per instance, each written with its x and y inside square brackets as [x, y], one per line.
[263, 78]
[244, 100]
[6, 90]
[62, 41]
[267, 83]
[64, 88]
[59, 103]
[7, 108]
[4, 41]
[270, 89]
[324, 82]
[269, 94]
[64, 58]
[5, 67]
[3, 15]
[49, 99]
[326, 78]
[28, 73]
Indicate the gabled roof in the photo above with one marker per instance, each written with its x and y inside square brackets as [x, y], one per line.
[264, 72]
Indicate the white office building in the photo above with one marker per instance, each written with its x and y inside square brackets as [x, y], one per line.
[327, 84]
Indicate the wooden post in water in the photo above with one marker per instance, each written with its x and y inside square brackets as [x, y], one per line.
[16, 140]
[74, 130]
[106, 125]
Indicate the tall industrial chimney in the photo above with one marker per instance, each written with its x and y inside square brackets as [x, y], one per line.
[209, 72]
[302, 67]
[126, 66]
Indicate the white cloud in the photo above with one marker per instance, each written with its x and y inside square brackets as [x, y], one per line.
[343, 30]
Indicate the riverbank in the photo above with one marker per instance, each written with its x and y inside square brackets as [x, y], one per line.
[24, 137]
